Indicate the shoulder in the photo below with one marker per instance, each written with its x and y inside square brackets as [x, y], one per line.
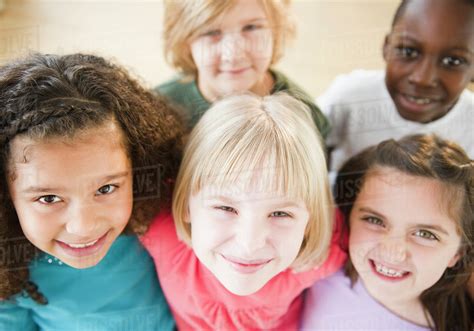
[160, 228]
[356, 86]
[175, 86]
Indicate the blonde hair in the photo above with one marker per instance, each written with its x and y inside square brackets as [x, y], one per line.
[240, 134]
[195, 15]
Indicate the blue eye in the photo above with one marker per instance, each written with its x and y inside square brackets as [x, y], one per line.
[426, 235]
[279, 214]
[106, 189]
[373, 220]
[49, 199]
[226, 209]
[407, 52]
[212, 33]
[251, 27]
[453, 61]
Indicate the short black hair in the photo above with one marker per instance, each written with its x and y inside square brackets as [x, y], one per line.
[403, 4]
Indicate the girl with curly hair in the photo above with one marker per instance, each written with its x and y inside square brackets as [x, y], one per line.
[85, 157]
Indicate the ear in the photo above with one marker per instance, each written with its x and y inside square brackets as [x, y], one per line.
[385, 48]
[454, 260]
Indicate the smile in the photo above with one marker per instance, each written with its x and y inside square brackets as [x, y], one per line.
[234, 71]
[419, 101]
[246, 266]
[82, 245]
[387, 272]
[83, 249]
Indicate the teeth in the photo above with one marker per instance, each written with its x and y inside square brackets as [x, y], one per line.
[83, 245]
[387, 271]
[419, 101]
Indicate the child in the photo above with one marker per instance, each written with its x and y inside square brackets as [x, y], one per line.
[72, 128]
[224, 47]
[429, 58]
[252, 218]
[409, 207]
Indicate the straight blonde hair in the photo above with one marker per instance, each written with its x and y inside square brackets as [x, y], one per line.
[274, 139]
[195, 15]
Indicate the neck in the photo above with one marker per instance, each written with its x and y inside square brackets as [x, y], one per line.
[262, 87]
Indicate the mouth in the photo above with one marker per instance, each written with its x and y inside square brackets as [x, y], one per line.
[84, 248]
[236, 71]
[246, 266]
[388, 273]
[416, 102]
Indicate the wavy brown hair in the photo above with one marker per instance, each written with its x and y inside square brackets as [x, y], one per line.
[50, 96]
[447, 302]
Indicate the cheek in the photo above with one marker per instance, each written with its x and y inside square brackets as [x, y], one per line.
[39, 227]
[360, 242]
[261, 50]
[204, 54]
[455, 83]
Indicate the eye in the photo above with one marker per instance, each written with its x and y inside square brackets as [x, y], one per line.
[453, 61]
[279, 214]
[373, 220]
[227, 209]
[251, 27]
[407, 52]
[212, 33]
[106, 189]
[426, 235]
[49, 199]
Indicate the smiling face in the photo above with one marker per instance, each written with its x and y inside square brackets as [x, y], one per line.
[430, 58]
[245, 237]
[72, 198]
[401, 236]
[234, 52]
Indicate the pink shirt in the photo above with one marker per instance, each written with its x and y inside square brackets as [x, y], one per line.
[199, 301]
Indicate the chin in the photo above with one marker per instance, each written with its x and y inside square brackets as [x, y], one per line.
[242, 290]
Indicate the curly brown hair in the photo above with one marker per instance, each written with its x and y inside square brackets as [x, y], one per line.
[429, 156]
[51, 96]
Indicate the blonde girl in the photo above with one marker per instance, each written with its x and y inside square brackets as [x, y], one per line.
[223, 47]
[252, 222]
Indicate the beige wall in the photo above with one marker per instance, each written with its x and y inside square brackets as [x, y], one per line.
[335, 36]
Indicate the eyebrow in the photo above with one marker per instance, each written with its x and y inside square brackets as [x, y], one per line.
[39, 189]
[370, 210]
[403, 37]
[285, 204]
[418, 225]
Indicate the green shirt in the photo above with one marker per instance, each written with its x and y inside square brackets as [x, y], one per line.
[186, 95]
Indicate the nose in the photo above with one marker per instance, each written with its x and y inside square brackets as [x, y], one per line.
[232, 47]
[425, 73]
[252, 235]
[393, 249]
[81, 220]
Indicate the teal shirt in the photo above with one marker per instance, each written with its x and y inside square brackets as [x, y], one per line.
[186, 95]
[121, 292]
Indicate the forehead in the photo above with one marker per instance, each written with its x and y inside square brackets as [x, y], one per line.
[261, 183]
[91, 154]
[240, 12]
[438, 21]
[405, 197]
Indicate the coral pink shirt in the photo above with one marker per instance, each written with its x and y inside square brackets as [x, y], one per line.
[199, 301]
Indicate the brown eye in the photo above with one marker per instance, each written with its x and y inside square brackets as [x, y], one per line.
[407, 52]
[49, 199]
[106, 189]
[453, 61]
